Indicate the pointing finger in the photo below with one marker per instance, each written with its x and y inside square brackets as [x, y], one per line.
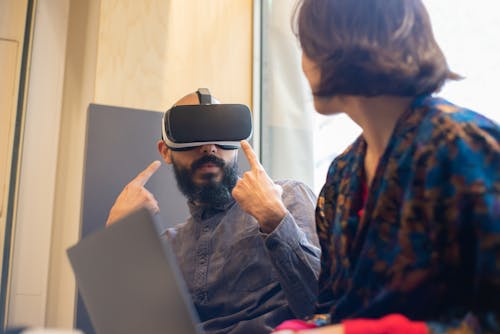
[250, 154]
[146, 174]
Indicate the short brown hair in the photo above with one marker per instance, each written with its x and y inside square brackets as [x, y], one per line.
[371, 47]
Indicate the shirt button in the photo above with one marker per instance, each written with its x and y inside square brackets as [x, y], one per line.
[205, 229]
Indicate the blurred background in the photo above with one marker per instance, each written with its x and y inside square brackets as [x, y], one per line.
[58, 56]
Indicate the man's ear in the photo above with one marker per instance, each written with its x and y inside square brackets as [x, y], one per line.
[164, 151]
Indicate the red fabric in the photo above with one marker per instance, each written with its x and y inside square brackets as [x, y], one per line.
[364, 195]
[294, 325]
[391, 324]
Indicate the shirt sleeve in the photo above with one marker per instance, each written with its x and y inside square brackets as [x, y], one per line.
[390, 324]
[294, 249]
[396, 324]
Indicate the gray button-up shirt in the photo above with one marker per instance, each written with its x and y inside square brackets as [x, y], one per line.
[242, 280]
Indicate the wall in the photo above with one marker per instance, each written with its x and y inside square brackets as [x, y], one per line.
[142, 54]
[79, 90]
[37, 175]
[12, 19]
[151, 53]
[12, 26]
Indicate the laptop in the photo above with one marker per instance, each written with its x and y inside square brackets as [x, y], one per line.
[129, 280]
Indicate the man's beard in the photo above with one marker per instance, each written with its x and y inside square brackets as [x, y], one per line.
[212, 193]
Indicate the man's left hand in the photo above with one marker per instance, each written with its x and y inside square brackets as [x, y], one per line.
[258, 195]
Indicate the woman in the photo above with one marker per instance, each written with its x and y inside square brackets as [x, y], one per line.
[409, 216]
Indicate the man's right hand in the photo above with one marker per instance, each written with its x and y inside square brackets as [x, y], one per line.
[134, 196]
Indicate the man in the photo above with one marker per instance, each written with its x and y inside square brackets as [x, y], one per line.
[248, 252]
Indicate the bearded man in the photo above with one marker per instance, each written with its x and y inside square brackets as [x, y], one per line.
[248, 253]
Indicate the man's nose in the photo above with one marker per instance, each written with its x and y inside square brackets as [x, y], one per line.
[208, 149]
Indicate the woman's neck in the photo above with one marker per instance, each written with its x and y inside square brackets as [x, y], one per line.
[377, 116]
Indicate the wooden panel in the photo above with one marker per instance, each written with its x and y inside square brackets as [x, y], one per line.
[12, 24]
[153, 52]
[79, 57]
[8, 94]
[12, 19]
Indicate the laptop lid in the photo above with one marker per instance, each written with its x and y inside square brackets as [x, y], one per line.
[129, 280]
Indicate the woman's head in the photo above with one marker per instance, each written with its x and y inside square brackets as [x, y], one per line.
[371, 47]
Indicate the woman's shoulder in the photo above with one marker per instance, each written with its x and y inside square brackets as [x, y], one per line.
[446, 124]
[444, 115]
[453, 140]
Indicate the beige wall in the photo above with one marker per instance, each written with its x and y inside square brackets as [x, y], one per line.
[37, 172]
[142, 54]
[8, 64]
[79, 90]
[12, 21]
[153, 52]
[12, 18]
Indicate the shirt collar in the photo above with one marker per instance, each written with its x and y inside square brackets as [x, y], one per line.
[201, 211]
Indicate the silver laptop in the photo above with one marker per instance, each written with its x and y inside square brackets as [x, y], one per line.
[129, 280]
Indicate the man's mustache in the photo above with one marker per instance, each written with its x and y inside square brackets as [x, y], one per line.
[207, 159]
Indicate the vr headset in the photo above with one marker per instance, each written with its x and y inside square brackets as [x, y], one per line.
[186, 126]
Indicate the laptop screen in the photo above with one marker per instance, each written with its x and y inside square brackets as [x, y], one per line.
[129, 280]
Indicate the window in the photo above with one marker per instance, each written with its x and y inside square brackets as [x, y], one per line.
[298, 143]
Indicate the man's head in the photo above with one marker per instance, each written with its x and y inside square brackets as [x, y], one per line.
[205, 174]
